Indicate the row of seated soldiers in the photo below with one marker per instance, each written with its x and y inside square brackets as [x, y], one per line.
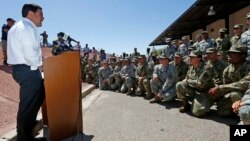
[199, 84]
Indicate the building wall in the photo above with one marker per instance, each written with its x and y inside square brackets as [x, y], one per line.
[235, 18]
[213, 28]
[195, 33]
[238, 18]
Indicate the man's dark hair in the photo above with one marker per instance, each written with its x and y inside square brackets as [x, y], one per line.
[29, 7]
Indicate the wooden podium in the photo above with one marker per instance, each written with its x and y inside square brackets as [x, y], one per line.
[62, 111]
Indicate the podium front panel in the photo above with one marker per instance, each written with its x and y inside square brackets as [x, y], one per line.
[63, 95]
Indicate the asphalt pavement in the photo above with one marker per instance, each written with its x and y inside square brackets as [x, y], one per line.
[114, 116]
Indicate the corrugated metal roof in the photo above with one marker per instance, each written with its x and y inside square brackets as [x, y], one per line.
[196, 17]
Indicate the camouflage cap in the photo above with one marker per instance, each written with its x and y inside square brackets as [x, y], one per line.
[127, 59]
[167, 40]
[211, 50]
[222, 30]
[219, 53]
[204, 32]
[178, 54]
[238, 49]
[141, 56]
[238, 26]
[195, 53]
[248, 16]
[163, 56]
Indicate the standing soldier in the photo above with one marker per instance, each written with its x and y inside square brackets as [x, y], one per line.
[222, 42]
[198, 38]
[128, 77]
[135, 53]
[245, 37]
[91, 73]
[235, 40]
[180, 66]
[143, 75]
[169, 49]
[235, 81]
[163, 81]
[103, 75]
[195, 87]
[183, 48]
[205, 43]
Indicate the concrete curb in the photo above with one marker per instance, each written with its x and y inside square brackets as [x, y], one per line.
[11, 136]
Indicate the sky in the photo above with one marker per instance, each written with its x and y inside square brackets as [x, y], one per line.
[113, 25]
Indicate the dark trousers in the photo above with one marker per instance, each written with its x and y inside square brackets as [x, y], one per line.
[31, 98]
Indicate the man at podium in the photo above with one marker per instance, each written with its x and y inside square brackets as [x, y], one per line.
[24, 54]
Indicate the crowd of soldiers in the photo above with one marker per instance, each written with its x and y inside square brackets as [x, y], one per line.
[201, 74]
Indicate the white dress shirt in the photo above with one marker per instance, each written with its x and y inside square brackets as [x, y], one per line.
[23, 44]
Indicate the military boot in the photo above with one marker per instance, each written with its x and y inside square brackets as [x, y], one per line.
[185, 107]
[149, 96]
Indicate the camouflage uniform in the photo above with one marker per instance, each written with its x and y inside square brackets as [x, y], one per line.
[83, 65]
[204, 45]
[166, 84]
[218, 68]
[223, 44]
[103, 75]
[235, 40]
[195, 88]
[128, 73]
[143, 75]
[169, 50]
[245, 40]
[183, 49]
[115, 78]
[244, 110]
[181, 69]
[91, 73]
[235, 83]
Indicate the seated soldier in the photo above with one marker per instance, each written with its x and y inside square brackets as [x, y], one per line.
[216, 64]
[195, 86]
[143, 75]
[103, 75]
[90, 71]
[180, 66]
[128, 77]
[235, 80]
[243, 108]
[115, 78]
[164, 81]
